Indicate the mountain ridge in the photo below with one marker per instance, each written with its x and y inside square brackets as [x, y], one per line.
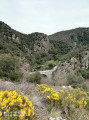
[37, 47]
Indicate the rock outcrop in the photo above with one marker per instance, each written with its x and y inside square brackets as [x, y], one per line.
[70, 67]
[84, 60]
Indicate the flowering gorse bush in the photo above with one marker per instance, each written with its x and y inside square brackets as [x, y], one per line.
[51, 94]
[67, 99]
[75, 98]
[20, 106]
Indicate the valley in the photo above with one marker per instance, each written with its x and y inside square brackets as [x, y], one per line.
[49, 70]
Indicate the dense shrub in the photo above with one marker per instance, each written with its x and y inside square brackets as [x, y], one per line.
[74, 80]
[50, 64]
[69, 100]
[84, 73]
[9, 67]
[35, 77]
[14, 106]
[52, 95]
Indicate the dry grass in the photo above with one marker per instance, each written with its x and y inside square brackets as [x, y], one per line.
[23, 87]
[30, 90]
[47, 81]
[79, 114]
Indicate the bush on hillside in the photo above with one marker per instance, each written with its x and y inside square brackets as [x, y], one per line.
[14, 106]
[9, 67]
[84, 73]
[74, 80]
[34, 78]
[50, 64]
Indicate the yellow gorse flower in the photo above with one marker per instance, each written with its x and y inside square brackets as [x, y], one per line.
[12, 101]
[0, 113]
[52, 94]
[46, 90]
[76, 98]
[82, 103]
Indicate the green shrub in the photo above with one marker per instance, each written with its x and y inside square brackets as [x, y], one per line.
[74, 80]
[14, 76]
[35, 77]
[50, 64]
[83, 73]
[84, 86]
[9, 67]
[49, 108]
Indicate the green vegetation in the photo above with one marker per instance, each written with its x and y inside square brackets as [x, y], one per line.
[75, 81]
[42, 51]
[34, 78]
[68, 100]
[38, 48]
[50, 64]
[83, 73]
[49, 108]
[9, 67]
[60, 47]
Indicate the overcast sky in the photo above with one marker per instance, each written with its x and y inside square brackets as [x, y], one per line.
[47, 16]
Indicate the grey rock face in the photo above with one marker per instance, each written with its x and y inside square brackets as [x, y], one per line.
[15, 39]
[85, 60]
[60, 74]
[42, 43]
[71, 66]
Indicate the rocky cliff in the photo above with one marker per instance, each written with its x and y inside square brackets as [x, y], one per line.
[70, 67]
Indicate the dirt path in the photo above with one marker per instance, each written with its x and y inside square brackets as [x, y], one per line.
[41, 110]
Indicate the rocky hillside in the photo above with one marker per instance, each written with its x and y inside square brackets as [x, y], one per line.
[32, 47]
[73, 71]
[37, 48]
[72, 37]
